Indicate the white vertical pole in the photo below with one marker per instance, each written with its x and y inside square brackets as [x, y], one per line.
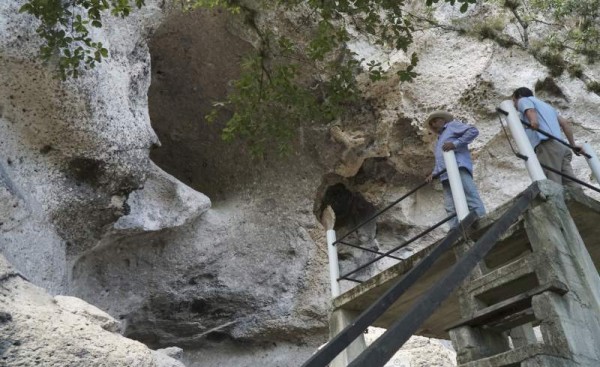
[456, 186]
[518, 132]
[593, 162]
[334, 269]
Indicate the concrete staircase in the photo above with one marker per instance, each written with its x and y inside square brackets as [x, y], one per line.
[533, 301]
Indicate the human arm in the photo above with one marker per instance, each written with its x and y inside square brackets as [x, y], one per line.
[462, 135]
[565, 125]
[527, 109]
[532, 117]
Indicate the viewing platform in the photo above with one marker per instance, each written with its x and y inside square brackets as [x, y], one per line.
[508, 256]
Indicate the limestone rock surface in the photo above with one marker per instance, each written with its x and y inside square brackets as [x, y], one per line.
[115, 190]
[418, 351]
[38, 329]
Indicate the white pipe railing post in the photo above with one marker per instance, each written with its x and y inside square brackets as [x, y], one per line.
[328, 221]
[523, 144]
[456, 186]
[334, 268]
[593, 161]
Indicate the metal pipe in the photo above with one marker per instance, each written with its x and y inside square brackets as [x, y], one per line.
[592, 161]
[582, 183]
[524, 145]
[428, 230]
[550, 136]
[390, 206]
[456, 186]
[334, 268]
[366, 249]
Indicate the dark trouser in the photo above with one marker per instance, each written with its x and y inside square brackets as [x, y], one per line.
[557, 156]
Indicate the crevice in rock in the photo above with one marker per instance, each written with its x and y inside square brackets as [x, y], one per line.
[549, 88]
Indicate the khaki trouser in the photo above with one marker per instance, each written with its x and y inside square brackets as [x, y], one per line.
[557, 156]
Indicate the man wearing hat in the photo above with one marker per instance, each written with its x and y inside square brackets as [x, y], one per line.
[455, 135]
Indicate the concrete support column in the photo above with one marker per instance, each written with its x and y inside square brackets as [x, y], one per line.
[338, 320]
[523, 335]
[568, 326]
[571, 322]
[475, 343]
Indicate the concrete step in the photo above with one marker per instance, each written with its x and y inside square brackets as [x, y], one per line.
[505, 282]
[514, 357]
[513, 245]
[504, 314]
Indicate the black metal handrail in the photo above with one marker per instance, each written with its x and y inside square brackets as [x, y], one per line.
[369, 250]
[406, 243]
[576, 180]
[377, 214]
[338, 343]
[550, 136]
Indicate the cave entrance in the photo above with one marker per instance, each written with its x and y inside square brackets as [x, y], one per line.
[350, 208]
[194, 57]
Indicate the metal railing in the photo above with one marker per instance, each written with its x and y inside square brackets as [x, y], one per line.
[460, 206]
[461, 210]
[378, 353]
[526, 151]
[342, 240]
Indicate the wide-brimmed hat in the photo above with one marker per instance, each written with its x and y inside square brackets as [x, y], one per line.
[438, 114]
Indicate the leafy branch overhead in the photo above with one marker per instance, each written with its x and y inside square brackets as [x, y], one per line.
[285, 83]
[65, 29]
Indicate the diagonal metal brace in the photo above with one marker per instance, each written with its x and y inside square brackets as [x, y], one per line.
[378, 353]
[326, 354]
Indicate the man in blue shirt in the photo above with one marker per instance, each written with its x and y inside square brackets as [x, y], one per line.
[455, 135]
[543, 116]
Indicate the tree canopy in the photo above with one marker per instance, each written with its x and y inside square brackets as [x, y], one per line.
[290, 81]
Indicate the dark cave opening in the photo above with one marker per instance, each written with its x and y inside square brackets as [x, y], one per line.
[350, 208]
[194, 57]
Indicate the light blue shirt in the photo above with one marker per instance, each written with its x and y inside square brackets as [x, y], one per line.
[547, 118]
[461, 135]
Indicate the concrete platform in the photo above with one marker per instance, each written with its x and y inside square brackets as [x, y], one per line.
[514, 245]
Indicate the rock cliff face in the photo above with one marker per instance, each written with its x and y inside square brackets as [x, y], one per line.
[41, 330]
[114, 190]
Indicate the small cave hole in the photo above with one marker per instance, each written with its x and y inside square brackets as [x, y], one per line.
[350, 208]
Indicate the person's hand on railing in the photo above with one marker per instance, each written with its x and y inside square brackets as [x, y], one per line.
[448, 146]
[429, 178]
[578, 150]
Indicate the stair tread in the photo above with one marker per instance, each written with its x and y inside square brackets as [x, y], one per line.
[502, 275]
[514, 356]
[514, 304]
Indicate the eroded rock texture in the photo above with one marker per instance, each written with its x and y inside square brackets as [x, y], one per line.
[194, 244]
[40, 330]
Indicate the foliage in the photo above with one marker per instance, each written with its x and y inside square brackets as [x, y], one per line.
[64, 28]
[464, 4]
[579, 21]
[270, 110]
[287, 82]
